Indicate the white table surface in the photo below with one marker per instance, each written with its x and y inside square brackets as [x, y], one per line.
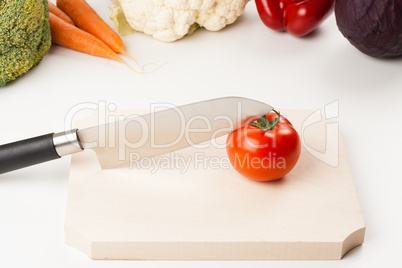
[245, 59]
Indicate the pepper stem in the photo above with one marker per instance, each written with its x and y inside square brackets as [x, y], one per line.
[266, 125]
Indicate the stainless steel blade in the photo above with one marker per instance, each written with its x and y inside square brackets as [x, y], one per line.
[164, 131]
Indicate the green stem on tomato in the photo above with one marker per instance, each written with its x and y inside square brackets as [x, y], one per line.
[266, 125]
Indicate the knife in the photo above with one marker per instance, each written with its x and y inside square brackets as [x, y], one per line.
[149, 135]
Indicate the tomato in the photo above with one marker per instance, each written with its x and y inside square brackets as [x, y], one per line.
[298, 17]
[265, 150]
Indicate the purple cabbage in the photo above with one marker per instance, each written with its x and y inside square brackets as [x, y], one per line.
[372, 26]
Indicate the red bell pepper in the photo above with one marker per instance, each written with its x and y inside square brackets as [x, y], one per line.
[298, 17]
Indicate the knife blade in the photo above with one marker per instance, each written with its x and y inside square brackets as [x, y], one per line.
[149, 135]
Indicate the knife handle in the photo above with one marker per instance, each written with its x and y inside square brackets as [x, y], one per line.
[37, 150]
[27, 152]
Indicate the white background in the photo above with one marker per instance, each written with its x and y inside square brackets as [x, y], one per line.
[245, 59]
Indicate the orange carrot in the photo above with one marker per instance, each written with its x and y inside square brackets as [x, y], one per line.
[67, 35]
[88, 20]
[59, 13]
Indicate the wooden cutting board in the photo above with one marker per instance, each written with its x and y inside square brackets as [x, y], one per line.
[204, 210]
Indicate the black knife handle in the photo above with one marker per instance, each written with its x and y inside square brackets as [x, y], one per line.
[27, 152]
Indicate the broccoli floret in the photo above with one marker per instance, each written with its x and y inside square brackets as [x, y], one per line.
[24, 36]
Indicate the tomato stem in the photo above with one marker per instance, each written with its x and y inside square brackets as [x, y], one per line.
[266, 125]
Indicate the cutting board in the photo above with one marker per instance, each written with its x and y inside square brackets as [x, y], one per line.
[192, 205]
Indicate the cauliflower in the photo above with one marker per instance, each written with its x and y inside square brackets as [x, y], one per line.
[169, 20]
[24, 36]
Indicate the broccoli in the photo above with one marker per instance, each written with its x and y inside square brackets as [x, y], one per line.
[24, 36]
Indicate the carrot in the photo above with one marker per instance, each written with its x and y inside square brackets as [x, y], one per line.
[67, 35]
[88, 20]
[59, 13]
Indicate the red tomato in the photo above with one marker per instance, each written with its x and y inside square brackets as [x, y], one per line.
[266, 149]
[298, 17]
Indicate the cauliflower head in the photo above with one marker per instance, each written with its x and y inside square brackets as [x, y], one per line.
[24, 36]
[169, 20]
